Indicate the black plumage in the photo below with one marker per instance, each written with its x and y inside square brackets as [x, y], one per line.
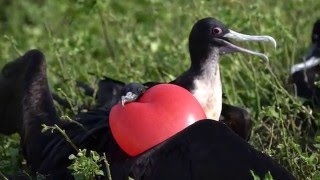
[236, 117]
[305, 74]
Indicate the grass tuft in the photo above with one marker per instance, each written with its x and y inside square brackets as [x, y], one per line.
[146, 40]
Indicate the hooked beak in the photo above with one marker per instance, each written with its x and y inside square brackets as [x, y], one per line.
[230, 48]
[310, 59]
[123, 102]
[129, 97]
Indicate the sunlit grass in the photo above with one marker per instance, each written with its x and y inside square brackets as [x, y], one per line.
[139, 41]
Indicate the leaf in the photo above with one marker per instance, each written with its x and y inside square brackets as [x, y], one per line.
[72, 157]
[99, 172]
[317, 146]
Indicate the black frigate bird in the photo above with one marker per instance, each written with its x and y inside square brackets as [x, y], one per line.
[205, 150]
[304, 74]
[202, 79]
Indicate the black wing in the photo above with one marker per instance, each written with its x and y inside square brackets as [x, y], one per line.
[205, 150]
[11, 93]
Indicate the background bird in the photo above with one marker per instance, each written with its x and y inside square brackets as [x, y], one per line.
[304, 75]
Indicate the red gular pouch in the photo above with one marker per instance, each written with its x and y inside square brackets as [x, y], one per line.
[160, 113]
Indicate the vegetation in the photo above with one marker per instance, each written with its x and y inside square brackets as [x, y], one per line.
[146, 40]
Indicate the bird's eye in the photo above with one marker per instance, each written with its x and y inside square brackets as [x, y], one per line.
[217, 30]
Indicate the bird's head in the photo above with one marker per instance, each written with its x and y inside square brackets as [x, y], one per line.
[314, 49]
[210, 34]
[131, 92]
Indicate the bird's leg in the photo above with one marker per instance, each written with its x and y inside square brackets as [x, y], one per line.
[131, 92]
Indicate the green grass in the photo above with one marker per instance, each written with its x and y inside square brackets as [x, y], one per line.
[146, 40]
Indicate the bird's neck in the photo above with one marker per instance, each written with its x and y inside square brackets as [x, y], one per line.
[207, 85]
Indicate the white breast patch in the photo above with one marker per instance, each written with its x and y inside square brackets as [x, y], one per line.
[208, 91]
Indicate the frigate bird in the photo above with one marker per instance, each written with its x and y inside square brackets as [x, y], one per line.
[304, 74]
[205, 150]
